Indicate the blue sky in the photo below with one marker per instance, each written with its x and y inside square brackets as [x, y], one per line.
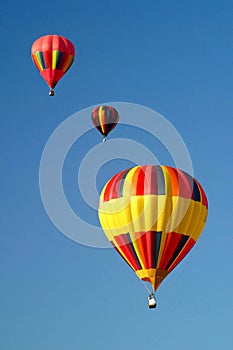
[173, 57]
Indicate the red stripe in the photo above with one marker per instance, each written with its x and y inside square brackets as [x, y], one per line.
[48, 58]
[151, 186]
[119, 252]
[146, 180]
[53, 42]
[52, 76]
[95, 117]
[172, 241]
[188, 246]
[140, 179]
[185, 187]
[113, 187]
[146, 279]
[141, 242]
[127, 251]
[146, 243]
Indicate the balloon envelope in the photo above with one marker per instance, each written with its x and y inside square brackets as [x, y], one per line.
[153, 216]
[104, 119]
[53, 55]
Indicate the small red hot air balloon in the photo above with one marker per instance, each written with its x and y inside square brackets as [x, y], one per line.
[53, 55]
[104, 119]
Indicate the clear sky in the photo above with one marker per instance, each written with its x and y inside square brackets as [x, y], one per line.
[172, 56]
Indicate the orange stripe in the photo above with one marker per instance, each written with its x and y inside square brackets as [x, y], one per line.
[174, 180]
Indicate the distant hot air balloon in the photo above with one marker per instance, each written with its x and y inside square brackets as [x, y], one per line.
[153, 216]
[104, 119]
[53, 55]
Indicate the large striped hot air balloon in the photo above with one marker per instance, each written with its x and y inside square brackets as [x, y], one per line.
[53, 55]
[104, 119]
[153, 216]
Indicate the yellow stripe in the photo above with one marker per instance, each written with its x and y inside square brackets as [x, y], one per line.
[167, 179]
[150, 273]
[152, 212]
[112, 239]
[115, 216]
[101, 112]
[54, 59]
[133, 214]
[166, 212]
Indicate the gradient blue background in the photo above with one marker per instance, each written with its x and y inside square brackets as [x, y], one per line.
[171, 56]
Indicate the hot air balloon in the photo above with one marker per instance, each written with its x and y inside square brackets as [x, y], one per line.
[153, 216]
[53, 55]
[104, 119]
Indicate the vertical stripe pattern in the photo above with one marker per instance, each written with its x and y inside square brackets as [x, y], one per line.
[53, 55]
[153, 216]
[104, 119]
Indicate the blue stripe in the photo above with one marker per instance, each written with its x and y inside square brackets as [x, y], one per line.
[59, 60]
[42, 59]
[196, 195]
[134, 252]
[157, 247]
[196, 192]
